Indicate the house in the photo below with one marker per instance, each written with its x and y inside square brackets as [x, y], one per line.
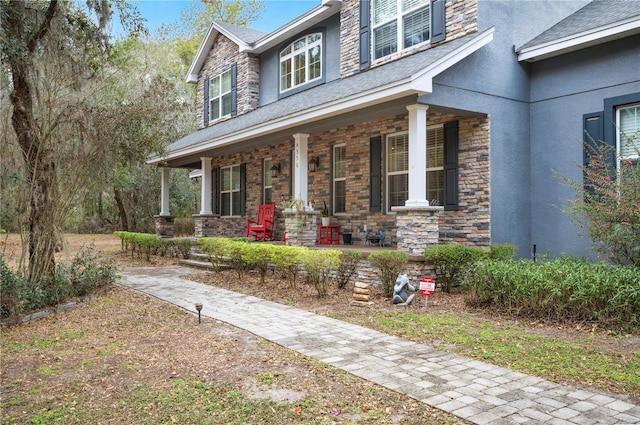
[437, 121]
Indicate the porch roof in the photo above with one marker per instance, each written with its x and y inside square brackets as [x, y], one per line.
[411, 75]
[598, 22]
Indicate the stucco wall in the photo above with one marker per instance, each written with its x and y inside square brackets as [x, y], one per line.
[562, 90]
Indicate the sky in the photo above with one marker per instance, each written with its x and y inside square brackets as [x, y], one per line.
[275, 13]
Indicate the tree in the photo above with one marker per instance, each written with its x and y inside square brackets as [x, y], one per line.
[54, 53]
[607, 203]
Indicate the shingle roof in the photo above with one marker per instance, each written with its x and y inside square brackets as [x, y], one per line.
[597, 14]
[245, 34]
[332, 91]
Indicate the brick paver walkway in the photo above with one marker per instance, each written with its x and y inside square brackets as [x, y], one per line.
[470, 389]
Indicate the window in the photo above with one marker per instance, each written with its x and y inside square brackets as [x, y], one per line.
[397, 170]
[301, 62]
[399, 24]
[628, 134]
[230, 195]
[266, 181]
[220, 96]
[339, 179]
[435, 166]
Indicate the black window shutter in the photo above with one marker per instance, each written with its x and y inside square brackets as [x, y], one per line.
[243, 189]
[206, 101]
[593, 137]
[365, 34]
[438, 27]
[451, 166]
[215, 190]
[234, 90]
[375, 174]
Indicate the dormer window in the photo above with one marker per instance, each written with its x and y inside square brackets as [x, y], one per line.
[220, 95]
[301, 62]
[399, 25]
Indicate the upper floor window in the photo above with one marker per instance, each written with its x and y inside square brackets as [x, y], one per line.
[339, 179]
[301, 62]
[220, 95]
[628, 124]
[399, 24]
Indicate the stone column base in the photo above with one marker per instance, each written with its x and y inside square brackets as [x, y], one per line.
[417, 227]
[164, 226]
[301, 227]
[204, 225]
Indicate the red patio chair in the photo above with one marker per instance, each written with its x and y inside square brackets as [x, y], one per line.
[262, 229]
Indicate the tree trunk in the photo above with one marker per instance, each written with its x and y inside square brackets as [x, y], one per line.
[40, 165]
[121, 210]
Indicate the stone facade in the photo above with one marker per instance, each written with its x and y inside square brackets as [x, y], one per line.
[164, 226]
[222, 56]
[206, 225]
[416, 229]
[461, 18]
[470, 225]
[301, 227]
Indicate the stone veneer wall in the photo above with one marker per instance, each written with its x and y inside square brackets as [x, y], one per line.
[164, 226]
[470, 225]
[302, 228]
[222, 56]
[461, 19]
[416, 229]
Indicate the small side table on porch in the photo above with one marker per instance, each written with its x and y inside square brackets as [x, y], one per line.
[329, 235]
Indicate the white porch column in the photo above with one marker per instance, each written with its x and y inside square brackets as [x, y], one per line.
[205, 188]
[417, 156]
[301, 158]
[164, 193]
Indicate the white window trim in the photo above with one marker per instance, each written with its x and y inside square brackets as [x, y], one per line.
[633, 157]
[220, 96]
[267, 172]
[399, 18]
[231, 191]
[337, 179]
[291, 57]
[394, 173]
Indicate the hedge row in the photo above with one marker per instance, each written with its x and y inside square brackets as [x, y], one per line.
[560, 289]
[150, 244]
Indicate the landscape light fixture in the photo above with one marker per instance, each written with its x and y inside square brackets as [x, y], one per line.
[199, 308]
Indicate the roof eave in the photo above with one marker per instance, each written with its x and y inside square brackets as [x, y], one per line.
[205, 48]
[318, 14]
[419, 84]
[581, 40]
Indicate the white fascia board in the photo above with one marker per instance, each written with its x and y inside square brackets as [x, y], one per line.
[423, 79]
[372, 97]
[303, 22]
[205, 48]
[581, 40]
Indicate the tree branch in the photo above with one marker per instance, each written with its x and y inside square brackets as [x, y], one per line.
[45, 26]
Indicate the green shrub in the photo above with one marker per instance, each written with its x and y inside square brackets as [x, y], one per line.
[86, 273]
[318, 264]
[349, 260]
[560, 289]
[389, 264]
[502, 251]
[450, 262]
[215, 247]
[287, 260]
[258, 256]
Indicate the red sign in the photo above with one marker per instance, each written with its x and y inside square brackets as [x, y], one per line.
[427, 286]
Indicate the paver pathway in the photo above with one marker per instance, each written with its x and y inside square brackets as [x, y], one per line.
[470, 389]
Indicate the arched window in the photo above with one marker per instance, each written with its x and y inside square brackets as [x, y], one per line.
[301, 62]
